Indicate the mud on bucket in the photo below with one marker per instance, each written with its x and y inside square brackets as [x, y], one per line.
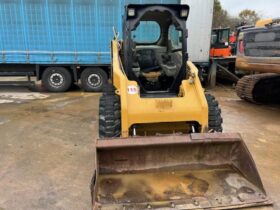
[195, 171]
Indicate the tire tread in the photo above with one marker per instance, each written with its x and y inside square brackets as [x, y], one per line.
[215, 119]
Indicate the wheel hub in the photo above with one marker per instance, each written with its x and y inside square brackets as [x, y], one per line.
[94, 80]
[56, 79]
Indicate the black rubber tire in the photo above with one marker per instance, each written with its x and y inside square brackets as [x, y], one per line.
[93, 79]
[57, 79]
[109, 116]
[215, 119]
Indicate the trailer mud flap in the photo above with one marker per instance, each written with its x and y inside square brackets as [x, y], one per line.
[198, 171]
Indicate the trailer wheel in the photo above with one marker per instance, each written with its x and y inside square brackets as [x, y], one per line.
[215, 119]
[93, 79]
[109, 115]
[57, 79]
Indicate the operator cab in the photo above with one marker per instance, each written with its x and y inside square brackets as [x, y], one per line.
[155, 47]
[220, 38]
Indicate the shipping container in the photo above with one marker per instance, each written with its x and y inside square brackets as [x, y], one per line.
[199, 26]
[66, 41]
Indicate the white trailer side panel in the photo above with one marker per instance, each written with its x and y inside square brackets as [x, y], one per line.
[200, 27]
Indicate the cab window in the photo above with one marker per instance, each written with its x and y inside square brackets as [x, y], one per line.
[175, 38]
[147, 32]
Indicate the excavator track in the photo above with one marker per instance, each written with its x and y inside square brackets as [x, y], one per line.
[259, 88]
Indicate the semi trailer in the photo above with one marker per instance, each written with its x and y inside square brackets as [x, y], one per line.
[62, 42]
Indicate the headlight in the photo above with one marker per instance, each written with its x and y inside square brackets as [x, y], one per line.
[184, 13]
[131, 12]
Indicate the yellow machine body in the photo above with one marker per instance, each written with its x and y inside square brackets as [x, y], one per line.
[268, 21]
[162, 148]
[262, 23]
[137, 110]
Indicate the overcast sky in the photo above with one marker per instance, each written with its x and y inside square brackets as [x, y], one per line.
[267, 8]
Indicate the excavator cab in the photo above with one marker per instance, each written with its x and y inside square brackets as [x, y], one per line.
[220, 43]
[161, 145]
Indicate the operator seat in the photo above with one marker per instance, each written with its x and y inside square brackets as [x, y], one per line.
[148, 61]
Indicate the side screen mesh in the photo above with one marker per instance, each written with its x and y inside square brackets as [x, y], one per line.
[264, 43]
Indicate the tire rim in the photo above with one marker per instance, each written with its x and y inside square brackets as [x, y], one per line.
[56, 80]
[94, 80]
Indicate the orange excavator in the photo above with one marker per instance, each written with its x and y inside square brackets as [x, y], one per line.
[222, 56]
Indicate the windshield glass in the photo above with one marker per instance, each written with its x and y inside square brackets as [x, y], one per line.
[214, 38]
[174, 38]
[224, 36]
[146, 32]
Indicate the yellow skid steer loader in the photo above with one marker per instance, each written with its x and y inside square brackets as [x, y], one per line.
[161, 145]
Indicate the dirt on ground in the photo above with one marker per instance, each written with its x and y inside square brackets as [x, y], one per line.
[47, 146]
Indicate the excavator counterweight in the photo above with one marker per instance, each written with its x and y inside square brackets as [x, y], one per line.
[259, 54]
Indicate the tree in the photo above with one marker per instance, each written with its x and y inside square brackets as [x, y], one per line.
[233, 22]
[249, 17]
[220, 17]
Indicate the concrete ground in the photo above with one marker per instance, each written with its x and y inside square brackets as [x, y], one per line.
[47, 146]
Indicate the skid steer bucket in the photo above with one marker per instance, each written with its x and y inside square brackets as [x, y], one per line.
[197, 171]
